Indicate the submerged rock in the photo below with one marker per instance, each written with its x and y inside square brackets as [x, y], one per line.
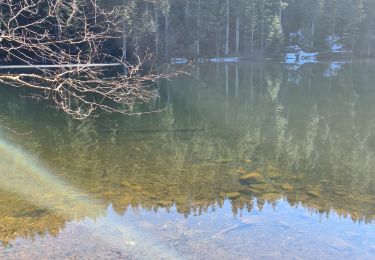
[340, 192]
[126, 183]
[258, 186]
[275, 175]
[241, 170]
[254, 191]
[270, 197]
[247, 161]
[326, 182]
[314, 193]
[232, 195]
[287, 186]
[164, 203]
[254, 177]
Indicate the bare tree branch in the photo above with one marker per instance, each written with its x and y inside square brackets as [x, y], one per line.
[58, 32]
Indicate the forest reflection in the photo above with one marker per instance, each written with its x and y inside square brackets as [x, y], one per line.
[249, 133]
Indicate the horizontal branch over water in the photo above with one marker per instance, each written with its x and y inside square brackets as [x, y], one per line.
[60, 66]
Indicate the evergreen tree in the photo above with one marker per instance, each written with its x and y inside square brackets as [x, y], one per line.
[275, 38]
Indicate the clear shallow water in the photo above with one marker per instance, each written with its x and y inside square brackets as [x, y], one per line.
[248, 161]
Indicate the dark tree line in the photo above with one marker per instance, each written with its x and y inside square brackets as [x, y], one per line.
[82, 32]
[207, 28]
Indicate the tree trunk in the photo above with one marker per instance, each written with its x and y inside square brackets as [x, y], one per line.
[124, 45]
[156, 32]
[333, 32]
[166, 37]
[252, 29]
[227, 93]
[251, 81]
[136, 46]
[369, 40]
[227, 33]
[227, 80]
[237, 35]
[198, 26]
[237, 82]
[261, 79]
[218, 43]
[312, 35]
[187, 9]
[262, 30]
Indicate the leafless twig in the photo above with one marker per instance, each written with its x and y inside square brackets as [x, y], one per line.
[58, 32]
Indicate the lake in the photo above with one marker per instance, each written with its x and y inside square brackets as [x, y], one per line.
[246, 161]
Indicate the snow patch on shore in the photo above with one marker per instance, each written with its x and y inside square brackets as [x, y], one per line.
[179, 61]
[334, 44]
[184, 61]
[333, 69]
[219, 60]
[301, 57]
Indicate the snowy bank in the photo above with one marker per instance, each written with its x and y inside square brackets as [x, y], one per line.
[301, 57]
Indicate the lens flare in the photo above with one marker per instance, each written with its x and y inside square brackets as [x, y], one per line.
[23, 174]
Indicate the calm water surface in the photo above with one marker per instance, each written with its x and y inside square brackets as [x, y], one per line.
[248, 161]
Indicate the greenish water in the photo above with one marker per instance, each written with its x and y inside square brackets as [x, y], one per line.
[247, 161]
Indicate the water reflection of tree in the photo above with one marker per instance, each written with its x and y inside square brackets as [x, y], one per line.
[312, 145]
[329, 145]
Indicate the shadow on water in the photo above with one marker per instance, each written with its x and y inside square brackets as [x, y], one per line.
[261, 143]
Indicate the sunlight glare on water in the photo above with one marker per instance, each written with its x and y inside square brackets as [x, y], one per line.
[246, 160]
[24, 175]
